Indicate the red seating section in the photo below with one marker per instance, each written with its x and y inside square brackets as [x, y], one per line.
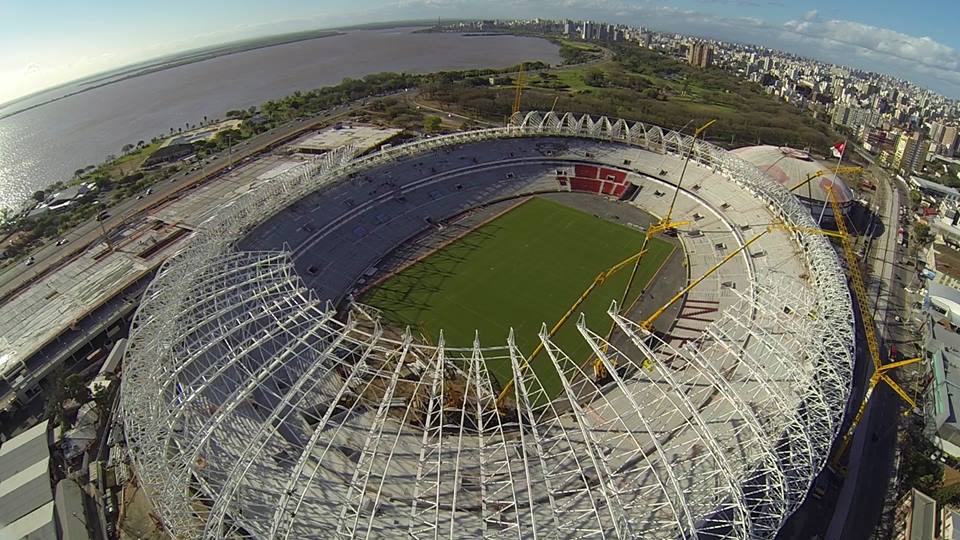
[593, 179]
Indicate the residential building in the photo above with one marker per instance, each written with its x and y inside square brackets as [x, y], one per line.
[916, 517]
[910, 152]
[700, 54]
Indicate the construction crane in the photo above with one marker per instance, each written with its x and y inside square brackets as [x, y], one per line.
[597, 281]
[880, 370]
[665, 224]
[519, 93]
[598, 368]
[844, 169]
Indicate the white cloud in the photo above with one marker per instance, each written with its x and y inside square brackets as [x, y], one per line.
[895, 49]
[811, 15]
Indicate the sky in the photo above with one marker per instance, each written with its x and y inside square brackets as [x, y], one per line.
[45, 43]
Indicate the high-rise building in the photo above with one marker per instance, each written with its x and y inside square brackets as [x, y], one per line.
[568, 28]
[586, 31]
[950, 140]
[910, 152]
[700, 54]
[936, 131]
[603, 32]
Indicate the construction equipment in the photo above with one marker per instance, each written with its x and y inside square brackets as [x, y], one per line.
[683, 171]
[880, 370]
[597, 281]
[554, 106]
[665, 224]
[661, 226]
[648, 322]
[519, 93]
[600, 371]
[845, 169]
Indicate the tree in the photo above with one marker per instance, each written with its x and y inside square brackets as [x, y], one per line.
[74, 388]
[126, 148]
[39, 195]
[594, 77]
[922, 231]
[431, 124]
[915, 196]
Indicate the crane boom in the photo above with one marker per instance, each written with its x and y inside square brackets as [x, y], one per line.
[844, 169]
[880, 371]
[516, 97]
[597, 281]
[648, 323]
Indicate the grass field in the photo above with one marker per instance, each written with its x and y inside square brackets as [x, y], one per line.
[524, 268]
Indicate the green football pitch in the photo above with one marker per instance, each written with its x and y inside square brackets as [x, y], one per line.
[524, 268]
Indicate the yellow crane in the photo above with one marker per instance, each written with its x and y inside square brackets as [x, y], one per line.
[844, 169]
[597, 281]
[881, 371]
[663, 225]
[666, 224]
[519, 93]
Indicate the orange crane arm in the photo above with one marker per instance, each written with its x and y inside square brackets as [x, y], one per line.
[516, 97]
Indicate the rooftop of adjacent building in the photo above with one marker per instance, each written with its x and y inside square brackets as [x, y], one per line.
[361, 136]
[790, 167]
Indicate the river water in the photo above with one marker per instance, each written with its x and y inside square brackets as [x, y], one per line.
[45, 144]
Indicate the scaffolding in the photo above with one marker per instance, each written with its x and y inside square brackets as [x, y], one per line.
[253, 410]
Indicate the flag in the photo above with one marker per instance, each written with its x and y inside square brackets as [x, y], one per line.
[838, 149]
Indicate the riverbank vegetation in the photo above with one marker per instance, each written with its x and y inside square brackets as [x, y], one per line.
[573, 52]
[639, 84]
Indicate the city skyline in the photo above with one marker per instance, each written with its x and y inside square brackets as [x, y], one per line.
[915, 45]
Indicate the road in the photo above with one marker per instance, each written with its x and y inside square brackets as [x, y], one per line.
[49, 257]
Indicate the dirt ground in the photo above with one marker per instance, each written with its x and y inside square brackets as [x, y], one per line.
[136, 519]
[951, 476]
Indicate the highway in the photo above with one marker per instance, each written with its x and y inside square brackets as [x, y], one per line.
[51, 256]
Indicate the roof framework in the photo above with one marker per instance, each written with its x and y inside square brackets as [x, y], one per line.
[251, 411]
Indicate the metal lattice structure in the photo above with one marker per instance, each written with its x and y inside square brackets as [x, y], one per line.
[252, 409]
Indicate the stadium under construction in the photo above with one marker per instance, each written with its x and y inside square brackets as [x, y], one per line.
[262, 398]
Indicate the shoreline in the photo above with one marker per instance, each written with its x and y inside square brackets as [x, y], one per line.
[181, 60]
[187, 57]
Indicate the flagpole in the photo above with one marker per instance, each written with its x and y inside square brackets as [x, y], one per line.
[826, 200]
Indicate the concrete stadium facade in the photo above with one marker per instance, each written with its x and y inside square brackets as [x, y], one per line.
[254, 409]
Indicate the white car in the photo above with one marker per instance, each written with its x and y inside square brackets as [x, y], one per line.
[62, 241]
